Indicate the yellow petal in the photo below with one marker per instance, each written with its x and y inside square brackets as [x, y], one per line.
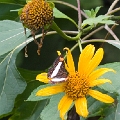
[64, 106]
[70, 62]
[100, 96]
[50, 90]
[98, 82]
[42, 77]
[95, 61]
[97, 73]
[81, 106]
[85, 58]
[66, 67]
[62, 102]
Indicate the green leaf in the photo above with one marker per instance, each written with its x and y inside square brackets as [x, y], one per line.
[117, 112]
[114, 77]
[5, 11]
[11, 82]
[51, 110]
[95, 107]
[11, 35]
[109, 113]
[97, 10]
[32, 111]
[92, 13]
[28, 1]
[58, 14]
[31, 108]
[33, 96]
[103, 19]
[88, 13]
[52, 5]
[114, 43]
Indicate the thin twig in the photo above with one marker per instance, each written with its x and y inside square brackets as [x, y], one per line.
[93, 32]
[72, 6]
[79, 23]
[79, 15]
[112, 6]
[111, 32]
[108, 13]
[113, 11]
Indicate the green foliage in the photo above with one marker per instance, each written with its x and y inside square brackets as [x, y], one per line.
[114, 77]
[92, 13]
[51, 110]
[100, 19]
[12, 35]
[11, 81]
[58, 14]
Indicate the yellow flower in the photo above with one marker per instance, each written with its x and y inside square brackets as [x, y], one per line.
[79, 83]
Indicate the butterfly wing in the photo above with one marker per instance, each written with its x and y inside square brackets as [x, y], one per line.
[58, 73]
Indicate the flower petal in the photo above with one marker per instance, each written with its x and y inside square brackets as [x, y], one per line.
[50, 90]
[85, 58]
[42, 77]
[62, 102]
[98, 82]
[64, 105]
[81, 106]
[95, 61]
[100, 96]
[97, 73]
[70, 62]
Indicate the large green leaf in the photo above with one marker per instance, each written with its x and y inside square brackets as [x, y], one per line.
[51, 110]
[11, 82]
[109, 113]
[6, 13]
[114, 77]
[11, 35]
[117, 112]
[31, 108]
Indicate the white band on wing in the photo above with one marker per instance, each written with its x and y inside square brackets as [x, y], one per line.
[58, 79]
[56, 70]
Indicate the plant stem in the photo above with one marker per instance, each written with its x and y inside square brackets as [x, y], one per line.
[112, 6]
[113, 11]
[70, 5]
[79, 24]
[111, 32]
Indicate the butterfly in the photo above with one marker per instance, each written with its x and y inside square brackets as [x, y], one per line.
[57, 73]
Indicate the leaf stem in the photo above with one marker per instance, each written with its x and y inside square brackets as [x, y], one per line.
[59, 31]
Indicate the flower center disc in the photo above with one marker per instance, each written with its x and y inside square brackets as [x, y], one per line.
[76, 86]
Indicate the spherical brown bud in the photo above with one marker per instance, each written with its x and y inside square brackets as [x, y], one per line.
[36, 14]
